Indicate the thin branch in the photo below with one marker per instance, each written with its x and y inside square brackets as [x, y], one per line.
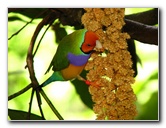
[26, 25]
[30, 54]
[30, 105]
[20, 29]
[19, 92]
[31, 66]
[39, 105]
[42, 38]
[47, 20]
[51, 105]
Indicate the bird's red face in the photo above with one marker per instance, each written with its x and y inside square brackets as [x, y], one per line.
[90, 42]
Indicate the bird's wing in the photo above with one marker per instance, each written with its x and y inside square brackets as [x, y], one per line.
[59, 61]
[69, 44]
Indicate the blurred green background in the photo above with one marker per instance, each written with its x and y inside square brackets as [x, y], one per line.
[63, 94]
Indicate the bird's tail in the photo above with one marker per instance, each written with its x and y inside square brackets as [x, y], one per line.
[56, 76]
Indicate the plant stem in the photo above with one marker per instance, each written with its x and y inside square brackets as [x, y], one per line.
[19, 92]
[30, 105]
[51, 105]
[39, 103]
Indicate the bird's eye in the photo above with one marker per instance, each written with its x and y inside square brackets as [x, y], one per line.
[88, 45]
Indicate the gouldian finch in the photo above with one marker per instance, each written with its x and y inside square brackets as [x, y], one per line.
[72, 55]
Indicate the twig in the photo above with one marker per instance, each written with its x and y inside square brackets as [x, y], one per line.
[20, 29]
[30, 105]
[30, 55]
[30, 64]
[19, 92]
[37, 93]
[39, 105]
[26, 25]
[42, 38]
[51, 105]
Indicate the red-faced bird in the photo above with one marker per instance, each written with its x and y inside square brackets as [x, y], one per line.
[71, 56]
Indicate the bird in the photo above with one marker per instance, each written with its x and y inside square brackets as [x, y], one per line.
[72, 55]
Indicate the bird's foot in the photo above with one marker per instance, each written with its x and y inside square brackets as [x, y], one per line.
[80, 78]
[89, 83]
[94, 83]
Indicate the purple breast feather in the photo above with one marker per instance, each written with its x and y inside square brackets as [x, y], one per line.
[78, 60]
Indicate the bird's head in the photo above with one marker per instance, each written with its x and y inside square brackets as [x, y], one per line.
[91, 41]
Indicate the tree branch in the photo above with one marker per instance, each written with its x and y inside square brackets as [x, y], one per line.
[49, 19]
[30, 55]
[141, 32]
[70, 16]
[30, 65]
[148, 17]
[137, 25]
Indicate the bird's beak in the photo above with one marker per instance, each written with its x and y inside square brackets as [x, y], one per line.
[99, 46]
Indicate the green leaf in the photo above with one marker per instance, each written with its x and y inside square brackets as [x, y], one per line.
[153, 76]
[82, 90]
[21, 115]
[150, 111]
[14, 18]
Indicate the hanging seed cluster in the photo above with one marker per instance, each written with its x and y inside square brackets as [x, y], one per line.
[111, 71]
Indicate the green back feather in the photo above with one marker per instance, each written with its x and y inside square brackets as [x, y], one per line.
[70, 43]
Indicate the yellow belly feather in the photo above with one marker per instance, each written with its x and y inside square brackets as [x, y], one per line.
[72, 71]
